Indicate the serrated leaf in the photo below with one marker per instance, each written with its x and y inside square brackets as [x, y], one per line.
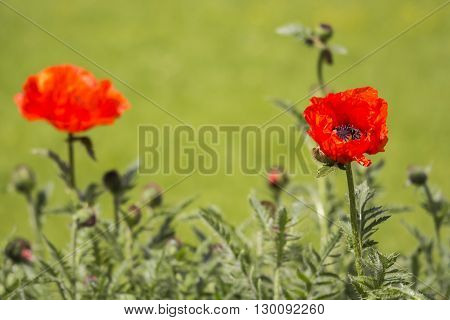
[302, 276]
[325, 170]
[88, 145]
[64, 169]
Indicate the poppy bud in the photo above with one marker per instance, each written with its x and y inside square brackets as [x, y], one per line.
[19, 251]
[90, 280]
[112, 181]
[309, 41]
[325, 32]
[417, 176]
[277, 178]
[321, 157]
[152, 195]
[23, 179]
[328, 56]
[86, 217]
[133, 216]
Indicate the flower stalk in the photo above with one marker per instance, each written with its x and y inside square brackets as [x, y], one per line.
[71, 159]
[72, 184]
[434, 210]
[357, 245]
[116, 208]
[35, 221]
[74, 257]
[320, 63]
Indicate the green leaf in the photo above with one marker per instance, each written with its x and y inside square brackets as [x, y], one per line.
[325, 170]
[88, 145]
[64, 170]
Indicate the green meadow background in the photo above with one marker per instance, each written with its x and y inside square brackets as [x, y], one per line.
[219, 62]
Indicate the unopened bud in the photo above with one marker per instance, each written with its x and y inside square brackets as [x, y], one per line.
[23, 179]
[86, 217]
[277, 178]
[19, 251]
[328, 56]
[152, 195]
[417, 176]
[112, 181]
[133, 215]
[325, 32]
[321, 157]
[90, 280]
[309, 41]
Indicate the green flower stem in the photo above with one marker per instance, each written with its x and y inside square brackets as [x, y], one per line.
[357, 245]
[276, 285]
[437, 229]
[71, 154]
[116, 208]
[34, 219]
[71, 159]
[320, 63]
[74, 258]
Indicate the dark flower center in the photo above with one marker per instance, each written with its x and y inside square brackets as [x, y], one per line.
[347, 132]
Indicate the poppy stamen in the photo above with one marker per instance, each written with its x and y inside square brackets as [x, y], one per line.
[347, 132]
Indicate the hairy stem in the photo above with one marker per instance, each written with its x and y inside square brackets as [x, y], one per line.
[432, 204]
[116, 208]
[74, 258]
[71, 156]
[357, 245]
[276, 285]
[320, 63]
[34, 219]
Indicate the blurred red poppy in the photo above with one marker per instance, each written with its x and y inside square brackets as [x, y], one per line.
[70, 98]
[349, 124]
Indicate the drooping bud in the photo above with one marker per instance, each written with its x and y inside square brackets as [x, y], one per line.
[328, 56]
[324, 32]
[112, 181]
[133, 215]
[277, 178]
[309, 41]
[23, 179]
[19, 251]
[417, 176]
[86, 217]
[321, 157]
[270, 207]
[152, 195]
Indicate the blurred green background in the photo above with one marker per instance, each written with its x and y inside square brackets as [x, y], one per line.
[219, 62]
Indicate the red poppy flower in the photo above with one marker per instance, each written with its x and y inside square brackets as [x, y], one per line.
[349, 124]
[70, 98]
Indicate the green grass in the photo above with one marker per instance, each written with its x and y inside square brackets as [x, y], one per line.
[218, 62]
